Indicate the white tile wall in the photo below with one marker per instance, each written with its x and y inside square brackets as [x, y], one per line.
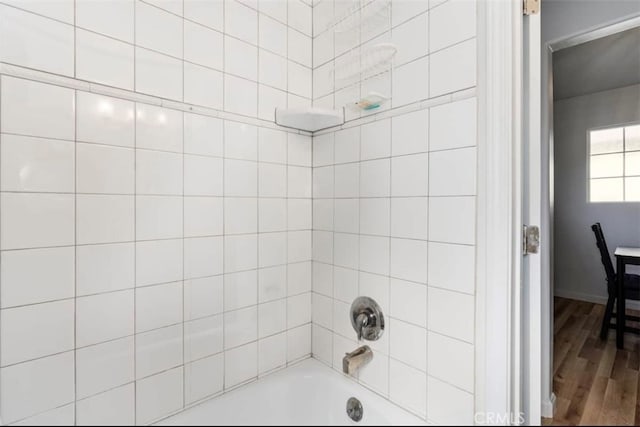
[158, 350]
[180, 50]
[114, 407]
[412, 39]
[165, 262]
[272, 353]
[104, 60]
[394, 206]
[64, 415]
[158, 74]
[50, 160]
[240, 290]
[30, 108]
[113, 125]
[32, 220]
[104, 366]
[202, 45]
[204, 378]
[203, 86]
[441, 35]
[441, 406]
[61, 10]
[178, 246]
[158, 395]
[36, 386]
[210, 14]
[113, 19]
[242, 364]
[453, 68]
[203, 337]
[36, 41]
[34, 331]
[37, 275]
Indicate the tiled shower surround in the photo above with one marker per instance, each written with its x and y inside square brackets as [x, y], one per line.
[162, 241]
[394, 205]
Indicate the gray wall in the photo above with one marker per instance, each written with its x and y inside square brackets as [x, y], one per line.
[603, 64]
[578, 271]
[562, 18]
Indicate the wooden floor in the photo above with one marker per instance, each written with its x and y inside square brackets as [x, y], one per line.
[594, 383]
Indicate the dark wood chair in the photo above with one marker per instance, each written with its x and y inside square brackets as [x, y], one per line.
[631, 285]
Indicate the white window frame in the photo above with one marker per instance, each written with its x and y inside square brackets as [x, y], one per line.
[623, 152]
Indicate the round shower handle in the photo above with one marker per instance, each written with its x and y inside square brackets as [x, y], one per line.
[367, 319]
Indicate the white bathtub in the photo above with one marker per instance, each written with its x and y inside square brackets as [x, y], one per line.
[308, 393]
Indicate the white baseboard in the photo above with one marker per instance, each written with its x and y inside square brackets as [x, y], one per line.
[549, 406]
[596, 299]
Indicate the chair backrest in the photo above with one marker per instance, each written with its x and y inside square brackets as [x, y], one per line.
[604, 252]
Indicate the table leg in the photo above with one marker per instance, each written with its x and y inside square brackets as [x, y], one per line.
[621, 313]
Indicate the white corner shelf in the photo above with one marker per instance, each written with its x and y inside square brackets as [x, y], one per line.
[309, 119]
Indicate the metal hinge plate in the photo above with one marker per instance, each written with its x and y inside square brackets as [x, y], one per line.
[531, 7]
[530, 239]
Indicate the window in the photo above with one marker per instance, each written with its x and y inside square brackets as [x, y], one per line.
[614, 164]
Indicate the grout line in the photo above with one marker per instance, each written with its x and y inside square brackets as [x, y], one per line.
[286, 271]
[2, 265]
[75, 254]
[429, 162]
[391, 168]
[135, 222]
[224, 204]
[184, 362]
[151, 240]
[258, 167]
[75, 220]
[171, 196]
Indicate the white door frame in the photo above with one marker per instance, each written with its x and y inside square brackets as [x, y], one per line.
[532, 189]
[498, 211]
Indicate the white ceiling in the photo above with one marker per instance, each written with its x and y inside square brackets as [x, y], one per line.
[603, 64]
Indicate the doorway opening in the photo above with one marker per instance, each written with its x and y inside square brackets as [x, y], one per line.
[594, 169]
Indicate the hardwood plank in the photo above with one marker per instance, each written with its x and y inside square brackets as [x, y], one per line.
[634, 358]
[608, 358]
[567, 366]
[595, 401]
[637, 414]
[594, 382]
[590, 350]
[560, 352]
[620, 365]
[562, 314]
[562, 405]
[581, 394]
[627, 405]
[612, 396]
